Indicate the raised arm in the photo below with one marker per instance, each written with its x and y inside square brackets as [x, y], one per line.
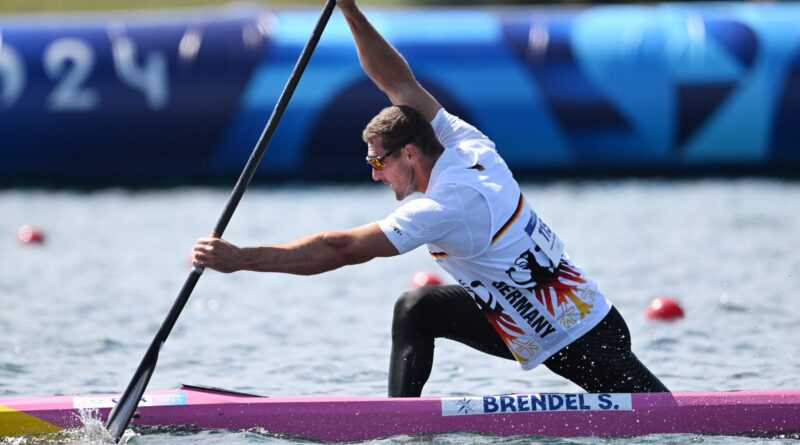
[385, 66]
[309, 255]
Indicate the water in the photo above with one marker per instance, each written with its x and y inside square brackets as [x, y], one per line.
[78, 312]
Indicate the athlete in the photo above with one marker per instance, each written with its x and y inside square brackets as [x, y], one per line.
[519, 295]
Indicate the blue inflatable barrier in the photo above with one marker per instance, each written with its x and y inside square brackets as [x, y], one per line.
[181, 97]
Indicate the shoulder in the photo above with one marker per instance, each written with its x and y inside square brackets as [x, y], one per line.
[429, 204]
[443, 205]
[453, 131]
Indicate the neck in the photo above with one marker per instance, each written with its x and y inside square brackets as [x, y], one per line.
[424, 173]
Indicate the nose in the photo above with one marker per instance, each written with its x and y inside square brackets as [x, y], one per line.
[376, 175]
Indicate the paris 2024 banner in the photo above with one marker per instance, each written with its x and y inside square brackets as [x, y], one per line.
[182, 96]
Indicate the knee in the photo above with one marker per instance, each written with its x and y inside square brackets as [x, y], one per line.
[412, 311]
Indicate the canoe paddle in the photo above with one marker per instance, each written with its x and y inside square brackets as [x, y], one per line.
[125, 408]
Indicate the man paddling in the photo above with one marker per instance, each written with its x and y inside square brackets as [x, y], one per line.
[519, 295]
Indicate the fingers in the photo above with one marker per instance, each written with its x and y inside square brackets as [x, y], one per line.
[200, 252]
[199, 256]
[203, 253]
[217, 254]
[206, 241]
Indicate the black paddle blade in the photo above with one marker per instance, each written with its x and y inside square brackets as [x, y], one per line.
[123, 411]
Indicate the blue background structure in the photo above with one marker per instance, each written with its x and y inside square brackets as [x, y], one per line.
[182, 97]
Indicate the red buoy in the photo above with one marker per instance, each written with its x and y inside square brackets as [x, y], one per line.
[664, 309]
[30, 235]
[425, 279]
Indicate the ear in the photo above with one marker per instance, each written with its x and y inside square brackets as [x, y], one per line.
[412, 151]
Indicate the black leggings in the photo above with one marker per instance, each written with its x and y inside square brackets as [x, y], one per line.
[601, 361]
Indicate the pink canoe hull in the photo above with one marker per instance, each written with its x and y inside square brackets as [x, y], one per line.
[362, 418]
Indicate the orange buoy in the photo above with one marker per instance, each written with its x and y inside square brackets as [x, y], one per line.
[425, 279]
[664, 308]
[30, 235]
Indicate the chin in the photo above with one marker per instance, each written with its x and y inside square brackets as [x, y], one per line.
[403, 195]
[400, 194]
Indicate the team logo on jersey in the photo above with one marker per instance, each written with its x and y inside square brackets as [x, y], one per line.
[527, 272]
[562, 291]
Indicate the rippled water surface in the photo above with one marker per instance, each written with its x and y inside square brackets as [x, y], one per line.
[78, 312]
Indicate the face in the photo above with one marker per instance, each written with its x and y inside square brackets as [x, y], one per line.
[397, 170]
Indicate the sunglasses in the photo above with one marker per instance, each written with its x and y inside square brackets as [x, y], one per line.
[377, 161]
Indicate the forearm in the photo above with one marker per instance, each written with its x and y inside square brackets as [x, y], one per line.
[382, 63]
[310, 255]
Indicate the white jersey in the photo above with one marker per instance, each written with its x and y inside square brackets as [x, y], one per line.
[479, 228]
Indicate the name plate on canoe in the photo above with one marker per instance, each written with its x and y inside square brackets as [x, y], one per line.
[89, 402]
[525, 403]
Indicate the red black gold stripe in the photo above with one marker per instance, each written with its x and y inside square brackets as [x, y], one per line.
[511, 220]
[517, 212]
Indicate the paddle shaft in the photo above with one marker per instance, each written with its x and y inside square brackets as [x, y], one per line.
[123, 412]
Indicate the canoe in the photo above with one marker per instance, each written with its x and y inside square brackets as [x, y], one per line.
[337, 419]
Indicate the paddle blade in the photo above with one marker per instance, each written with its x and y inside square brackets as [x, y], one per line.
[123, 412]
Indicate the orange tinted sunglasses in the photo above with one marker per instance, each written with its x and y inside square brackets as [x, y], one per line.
[377, 161]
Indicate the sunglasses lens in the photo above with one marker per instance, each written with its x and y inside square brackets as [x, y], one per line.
[377, 164]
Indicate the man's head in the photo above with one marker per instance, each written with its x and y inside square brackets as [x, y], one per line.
[399, 125]
[402, 149]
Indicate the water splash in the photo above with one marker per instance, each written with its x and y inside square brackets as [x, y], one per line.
[93, 430]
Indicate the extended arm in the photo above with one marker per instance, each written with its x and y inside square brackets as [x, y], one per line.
[309, 255]
[385, 66]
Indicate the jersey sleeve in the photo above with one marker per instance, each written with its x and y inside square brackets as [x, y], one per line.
[451, 130]
[418, 222]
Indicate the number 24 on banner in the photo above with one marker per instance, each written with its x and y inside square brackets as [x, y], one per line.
[69, 62]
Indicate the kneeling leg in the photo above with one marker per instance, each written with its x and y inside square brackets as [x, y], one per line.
[427, 313]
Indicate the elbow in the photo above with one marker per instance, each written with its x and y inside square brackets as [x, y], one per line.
[388, 86]
[404, 93]
[395, 86]
[339, 250]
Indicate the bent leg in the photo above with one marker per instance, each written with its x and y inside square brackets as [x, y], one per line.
[427, 313]
[602, 361]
